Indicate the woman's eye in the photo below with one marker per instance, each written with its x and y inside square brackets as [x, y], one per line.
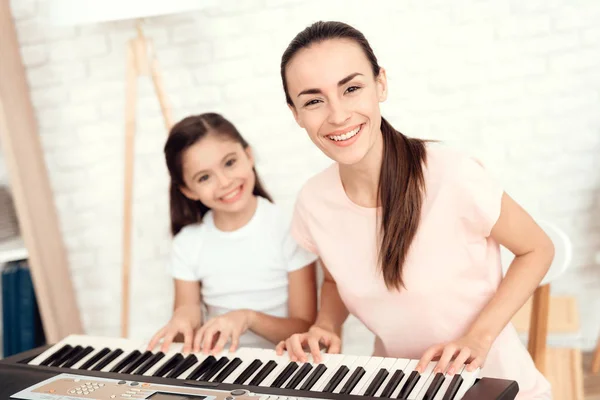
[311, 102]
[352, 89]
[229, 163]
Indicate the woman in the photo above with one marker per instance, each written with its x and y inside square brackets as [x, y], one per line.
[408, 231]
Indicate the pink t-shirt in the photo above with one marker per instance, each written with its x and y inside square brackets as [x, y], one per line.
[451, 271]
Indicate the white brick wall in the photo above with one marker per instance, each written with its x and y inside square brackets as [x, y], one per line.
[517, 83]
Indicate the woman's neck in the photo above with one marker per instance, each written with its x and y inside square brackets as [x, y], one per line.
[361, 180]
[228, 221]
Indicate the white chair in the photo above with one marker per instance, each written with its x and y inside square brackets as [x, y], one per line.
[540, 304]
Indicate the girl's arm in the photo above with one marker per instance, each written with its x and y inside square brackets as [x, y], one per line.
[302, 308]
[187, 317]
[516, 230]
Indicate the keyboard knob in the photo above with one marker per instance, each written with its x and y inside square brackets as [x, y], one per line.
[238, 392]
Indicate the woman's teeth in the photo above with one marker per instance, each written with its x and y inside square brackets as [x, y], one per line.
[346, 135]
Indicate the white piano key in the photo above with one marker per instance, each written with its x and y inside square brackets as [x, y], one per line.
[160, 363]
[333, 363]
[371, 369]
[72, 340]
[347, 361]
[247, 355]
[324, 360]
[424, 381]
[399, 364]
[386, 363]
[130, 347]
[440, 394]
[282, 362]
[359, 361]
[410, 367]
[468, 381]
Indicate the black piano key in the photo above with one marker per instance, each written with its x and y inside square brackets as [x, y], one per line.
[254, 365]
[262, 374]
[137, 362]
[107, 360]
[168, 365]
[146, 365]
[314, 377]
[336, 379]
[285, 374]
[95, 358]
[66, 356]
[435, 385]
[74, 360]
[208, 375]
[202, 368]
[125, 362]
[353, 380]
[376, 382]
[296, 379]
[183, 366]
[229, 368]
[393, 383]
[57, 354]
[409, 385]
[453, 387]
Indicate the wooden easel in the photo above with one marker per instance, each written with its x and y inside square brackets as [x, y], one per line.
[138, 64]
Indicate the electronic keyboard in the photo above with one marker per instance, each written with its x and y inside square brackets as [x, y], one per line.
[90, 367]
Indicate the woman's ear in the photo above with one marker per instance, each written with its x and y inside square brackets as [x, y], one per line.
[296, 117]
[382, 86]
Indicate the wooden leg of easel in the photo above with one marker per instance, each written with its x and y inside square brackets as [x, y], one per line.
[130, 109]
[160, 93]
[538, 327]
[596, 360]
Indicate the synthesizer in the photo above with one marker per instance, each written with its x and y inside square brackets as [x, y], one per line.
[89, 367]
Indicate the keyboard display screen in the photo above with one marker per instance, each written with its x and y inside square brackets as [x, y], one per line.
[174, 396]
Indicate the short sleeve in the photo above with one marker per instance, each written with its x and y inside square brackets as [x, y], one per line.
[296, 257]
[182, 262]
[299, 228]
[480, 196]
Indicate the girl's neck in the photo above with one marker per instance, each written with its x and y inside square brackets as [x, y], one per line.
[361, 180]
[228, 222]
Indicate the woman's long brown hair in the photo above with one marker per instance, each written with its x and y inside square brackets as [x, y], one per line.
[183, 135]
[401, 181]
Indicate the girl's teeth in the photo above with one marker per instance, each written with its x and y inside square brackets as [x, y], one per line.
[346, 135]
[231, 195]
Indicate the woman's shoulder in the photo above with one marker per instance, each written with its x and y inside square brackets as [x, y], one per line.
[447, 163]
[320, 185]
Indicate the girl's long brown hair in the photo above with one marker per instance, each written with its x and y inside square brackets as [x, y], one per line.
[183, 135]
[401, 182]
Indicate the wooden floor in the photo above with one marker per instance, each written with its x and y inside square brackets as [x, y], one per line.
[591, 383]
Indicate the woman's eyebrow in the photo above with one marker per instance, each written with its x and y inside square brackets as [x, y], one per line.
[340, 83]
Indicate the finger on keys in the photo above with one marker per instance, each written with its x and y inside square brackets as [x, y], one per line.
[198, 339]
[429, 355]
[296, 348]
[473, 365]
[169, 337]
[313, 343]
[157, 336]
[188, 337]
[208, 339]
[223, 338]
[235, 341]
[335, 345]
[280, 348]
[459, 361]
[448, 354]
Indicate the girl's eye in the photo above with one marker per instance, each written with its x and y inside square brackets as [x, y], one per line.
[230, 162]
[352, 89]
[203, 178]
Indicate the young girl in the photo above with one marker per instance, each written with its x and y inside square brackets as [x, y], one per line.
[408, 231]
[232, 252]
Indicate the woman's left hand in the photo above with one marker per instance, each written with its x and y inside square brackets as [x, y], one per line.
[470, 349]
[215, 333]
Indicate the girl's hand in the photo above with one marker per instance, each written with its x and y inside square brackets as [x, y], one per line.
[216, 332]
[186, 319]
[470, 349]
[298, 342]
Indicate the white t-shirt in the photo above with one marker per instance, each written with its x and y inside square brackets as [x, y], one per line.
[247, 268]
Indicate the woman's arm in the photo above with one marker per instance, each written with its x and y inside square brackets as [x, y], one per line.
[534, 252]
[302, 308]
[516, 230]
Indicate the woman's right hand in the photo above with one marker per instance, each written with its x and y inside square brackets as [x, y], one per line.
[186, 320]
[316, 336]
